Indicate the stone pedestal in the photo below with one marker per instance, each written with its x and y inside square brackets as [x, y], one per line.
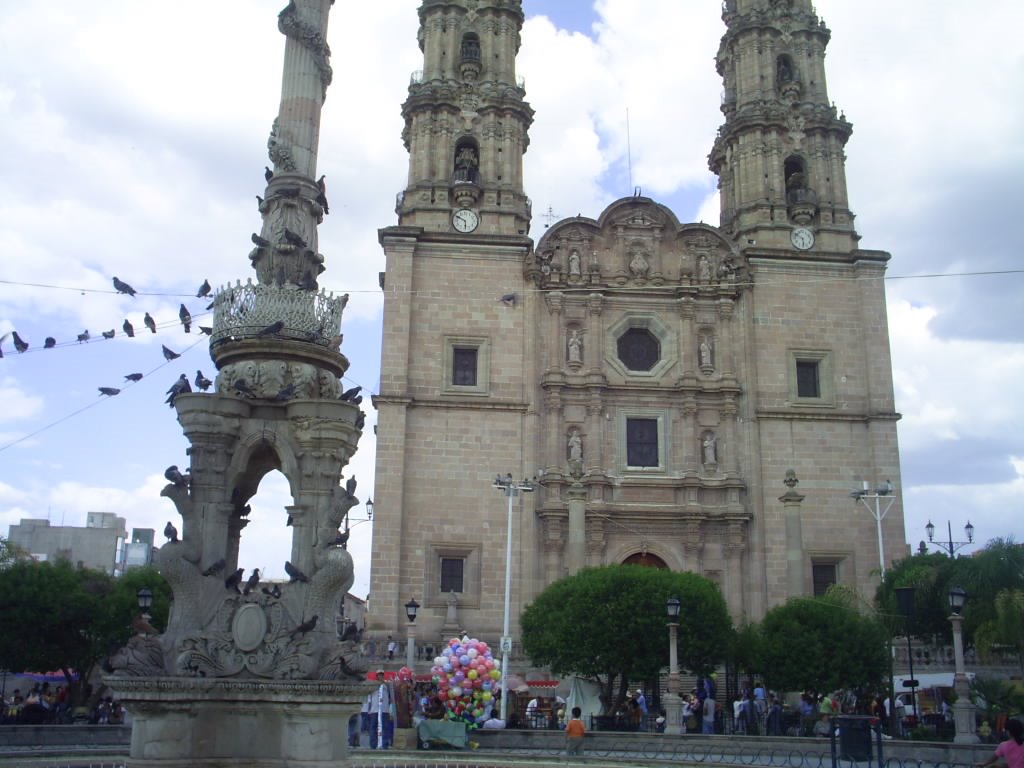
[201, 723]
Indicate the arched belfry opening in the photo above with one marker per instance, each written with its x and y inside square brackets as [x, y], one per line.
[466, 172]
[646, 559]
[263, 523]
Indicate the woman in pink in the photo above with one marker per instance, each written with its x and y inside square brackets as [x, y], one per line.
[1011, 750]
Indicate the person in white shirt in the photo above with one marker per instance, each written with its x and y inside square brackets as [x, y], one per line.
[380, 714]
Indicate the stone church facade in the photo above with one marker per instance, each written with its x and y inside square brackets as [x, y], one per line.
[659, 379]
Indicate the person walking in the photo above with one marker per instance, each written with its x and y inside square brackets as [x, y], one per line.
[380, 714]
[708, 721]
[574, 732]
[1011, 750]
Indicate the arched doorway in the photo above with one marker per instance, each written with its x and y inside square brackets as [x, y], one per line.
[646, 559]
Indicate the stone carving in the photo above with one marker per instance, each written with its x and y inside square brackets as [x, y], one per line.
[704, 270]
[574, 264]
[575, 347]
[638, 265]
[278, 150]
[575, 446]
[290, 25]
[709, 448]
[706, 351]
[143, 656]
[451, 608]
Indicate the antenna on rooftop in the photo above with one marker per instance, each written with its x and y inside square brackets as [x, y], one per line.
[549, 217]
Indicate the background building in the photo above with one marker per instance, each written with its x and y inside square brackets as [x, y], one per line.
[99, 545]
[658, 378]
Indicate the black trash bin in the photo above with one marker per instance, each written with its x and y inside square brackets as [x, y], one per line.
[855, 735]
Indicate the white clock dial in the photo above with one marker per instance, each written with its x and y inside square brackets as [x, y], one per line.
[465, 220]
[802, 238]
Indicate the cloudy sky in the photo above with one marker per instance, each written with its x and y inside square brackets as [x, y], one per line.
[134, 140]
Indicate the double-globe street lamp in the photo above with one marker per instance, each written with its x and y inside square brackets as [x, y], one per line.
[949, 545]
[673, 706]
[963, 707]
[511, 489]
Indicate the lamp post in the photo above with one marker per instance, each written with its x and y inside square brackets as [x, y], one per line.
[673, 707]
[411, 609]
[905, 599]
[963, 707]
[949, 545]
[511, 489]
[864, 496]
[145, 598]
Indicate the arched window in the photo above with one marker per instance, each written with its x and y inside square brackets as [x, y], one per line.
[470, 47]
[785, 70]
[467, 162]
[795, 172]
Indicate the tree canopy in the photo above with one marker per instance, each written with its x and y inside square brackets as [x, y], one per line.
[609, 624]
[822, 644]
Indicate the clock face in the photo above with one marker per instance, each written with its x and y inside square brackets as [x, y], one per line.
[802, 238]
[465, 220]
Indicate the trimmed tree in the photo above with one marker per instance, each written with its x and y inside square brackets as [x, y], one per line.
[609, 624]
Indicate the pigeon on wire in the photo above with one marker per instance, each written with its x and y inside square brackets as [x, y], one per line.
[150, 322]
[122, 287]
[136, 377]
[204, 289]
[232, 581]
[202, 382]
[294, 574]
[215, 567]
[128, 329]
[108, 334]
[186, 318]
[173, 475]
[252, 582]
[83, 336]
[180, 387]
[205, 330]
[109, 391]
[19, 344]
[49, 342]
[271, 329]
[170, 532]
[304, 627]
[169, 354]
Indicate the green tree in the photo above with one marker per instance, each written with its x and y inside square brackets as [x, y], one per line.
[9, 553]
[822, 644]
[67, 618]
[1006, 629]
[609, 624]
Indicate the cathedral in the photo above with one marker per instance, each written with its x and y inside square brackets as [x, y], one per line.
[676, 395]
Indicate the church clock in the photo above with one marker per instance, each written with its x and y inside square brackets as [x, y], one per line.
[465, 220]
[802, 238]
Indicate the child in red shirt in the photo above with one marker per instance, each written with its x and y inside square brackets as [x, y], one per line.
[574, 731]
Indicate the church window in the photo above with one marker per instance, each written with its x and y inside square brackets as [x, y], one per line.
[470, 47]
[452, 574]
[823, 576]
[810, 378]
[639, 349]
[642, 442]
[466, 366]
[795, 172]
[785, 70]
[807, 382]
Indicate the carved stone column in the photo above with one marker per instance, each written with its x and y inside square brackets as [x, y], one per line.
[554, 544]
[594, 351]
[693, 546]
[594, 458]
[733, 547]
[791, 500]
[687, 355]
[555, 353]
[576, 552]
[554, 448]
[724, 348]
[596, 542]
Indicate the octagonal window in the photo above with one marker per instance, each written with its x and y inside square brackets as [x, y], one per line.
[639, 349]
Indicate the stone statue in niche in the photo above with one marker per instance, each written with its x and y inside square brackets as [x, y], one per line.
[638, 265]
[451, 603]
[574, 264]
[575, 347]
[704, 270]
[575, 446]
[706, 351]
[709, 448]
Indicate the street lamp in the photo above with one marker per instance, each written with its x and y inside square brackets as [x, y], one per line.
[411, 609]
[673, 708]
[905, 600]
[510, 488]
[963, 707]
[369, 509]
[881, 492]
[950, 545]
[145, 598]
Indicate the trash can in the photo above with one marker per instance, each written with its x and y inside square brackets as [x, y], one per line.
[854, 735]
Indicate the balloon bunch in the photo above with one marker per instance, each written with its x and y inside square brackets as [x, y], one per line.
[467, 676]
[405, 675]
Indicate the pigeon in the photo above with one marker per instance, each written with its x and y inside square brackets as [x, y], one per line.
[128, 328]
[186, 318]
[143, 627]
[173, 474]
[243, 388]
[293, 238]
[19, 344]
[204, 289]
[304, 627]
[274, 591]
[109, 391]
[108, 334]
[171, 532]
[348, 394]
[295, 574]
[350, 487]
[267, 173]
[150, 322]
[509, 299]
[308, 282]
[360, 420]
[350, 633]
[169, 354]
[202, 382]
[322, 195]
[290, 521]
[49, 342]
[342, 539]
[133, 377]
[205, 330]
[286, 392]
[232, 581]
[215, 567]
[271, 329]
[123, 287]
[259, 242]
[83, 336]
[259, 201]
[180, 387]
[252, 582]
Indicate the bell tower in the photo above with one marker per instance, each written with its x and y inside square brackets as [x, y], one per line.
[779, 155]
[466, 121]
